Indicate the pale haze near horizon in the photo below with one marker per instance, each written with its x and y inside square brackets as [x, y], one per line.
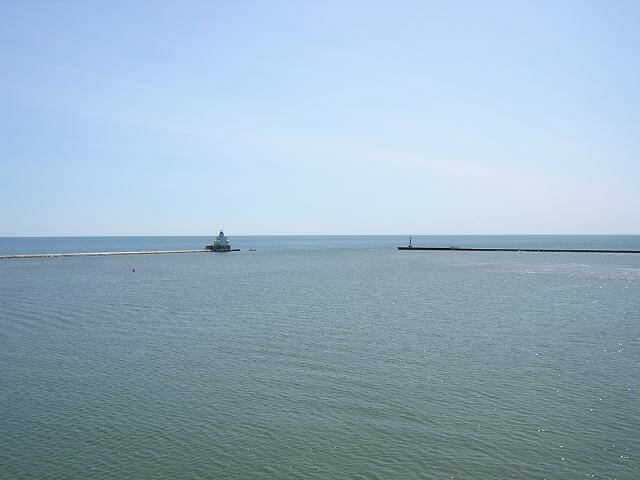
[176, 118]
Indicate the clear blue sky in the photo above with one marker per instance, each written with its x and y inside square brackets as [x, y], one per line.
[326, 117]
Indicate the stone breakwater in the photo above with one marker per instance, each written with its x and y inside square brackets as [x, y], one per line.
[98, 254]
[552, 250]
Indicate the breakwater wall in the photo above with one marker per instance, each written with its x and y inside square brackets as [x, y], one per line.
[98, 254]
[550, 250]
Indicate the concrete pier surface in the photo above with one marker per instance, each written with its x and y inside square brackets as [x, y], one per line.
[550, 250]
[98, 254]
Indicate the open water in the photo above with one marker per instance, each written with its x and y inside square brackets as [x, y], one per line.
[320, 357]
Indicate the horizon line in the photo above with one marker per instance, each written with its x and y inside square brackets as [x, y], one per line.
[339, 235]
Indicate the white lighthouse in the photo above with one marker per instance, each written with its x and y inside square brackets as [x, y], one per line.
[220, 244]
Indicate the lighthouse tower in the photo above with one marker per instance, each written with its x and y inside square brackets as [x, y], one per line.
[221, 244]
